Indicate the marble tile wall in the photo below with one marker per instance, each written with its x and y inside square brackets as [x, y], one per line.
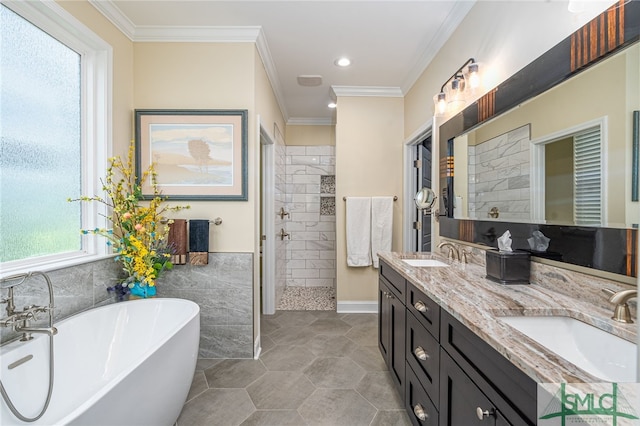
[223, 289]
[311, 252]
[499, 176]
[75, 289]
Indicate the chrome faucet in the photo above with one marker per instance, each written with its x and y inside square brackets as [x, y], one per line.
[453, 250]
[620, 298]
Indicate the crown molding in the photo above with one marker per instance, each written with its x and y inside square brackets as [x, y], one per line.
[310, 121]
[115, 16]
[378, 91]
[449, 25]
[247, 34]
[272, 74]
[196, 34]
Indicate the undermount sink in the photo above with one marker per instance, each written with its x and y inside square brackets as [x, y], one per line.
[595, 351]
[424, 263]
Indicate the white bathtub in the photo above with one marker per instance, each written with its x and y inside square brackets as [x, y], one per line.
[129, 363]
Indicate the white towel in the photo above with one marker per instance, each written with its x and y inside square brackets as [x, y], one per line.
[358, 231]
[381, 226]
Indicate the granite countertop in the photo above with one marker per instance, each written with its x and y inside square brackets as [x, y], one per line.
[463, 291]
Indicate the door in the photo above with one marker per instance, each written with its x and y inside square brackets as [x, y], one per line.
[424, 180]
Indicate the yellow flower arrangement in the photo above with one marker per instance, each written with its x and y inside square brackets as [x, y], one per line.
[139, 233]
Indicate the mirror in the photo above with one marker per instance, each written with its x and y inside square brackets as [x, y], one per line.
[584, 89]
[425, 198]
[562, 157]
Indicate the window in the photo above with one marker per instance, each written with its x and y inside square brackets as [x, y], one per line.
[53, 98]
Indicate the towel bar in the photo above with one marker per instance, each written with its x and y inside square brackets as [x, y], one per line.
[395, 198]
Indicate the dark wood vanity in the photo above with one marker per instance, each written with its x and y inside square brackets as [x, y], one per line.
[446, 374]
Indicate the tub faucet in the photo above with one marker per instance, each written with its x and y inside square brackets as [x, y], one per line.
[620, 298]
[453, 250]
[19, 320]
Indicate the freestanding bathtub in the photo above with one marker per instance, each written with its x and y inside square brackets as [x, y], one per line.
[128, 363]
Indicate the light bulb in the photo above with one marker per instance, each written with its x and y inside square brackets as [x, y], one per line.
[440, 101]
[474, 76]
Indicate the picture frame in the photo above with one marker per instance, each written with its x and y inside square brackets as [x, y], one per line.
[197, 154]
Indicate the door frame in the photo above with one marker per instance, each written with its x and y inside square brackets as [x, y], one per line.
[537, 166]
[267, 214]
[411, 237]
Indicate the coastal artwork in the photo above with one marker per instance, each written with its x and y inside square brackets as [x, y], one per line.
[192, 154]
[196, 154]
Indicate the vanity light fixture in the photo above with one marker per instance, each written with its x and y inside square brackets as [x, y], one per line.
[332, 105]
[455, 91]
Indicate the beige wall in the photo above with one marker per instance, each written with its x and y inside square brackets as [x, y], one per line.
[205, 76]
[498, 35]
[122, 100]
[558, 194]
[368, 163]
[310, 135]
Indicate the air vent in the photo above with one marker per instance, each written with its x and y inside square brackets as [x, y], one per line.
[309, 80]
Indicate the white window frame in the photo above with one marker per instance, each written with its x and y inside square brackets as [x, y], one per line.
[96, 74]
[538, 165]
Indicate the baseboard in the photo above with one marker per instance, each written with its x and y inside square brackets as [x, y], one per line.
[357, 307]
[257, 348]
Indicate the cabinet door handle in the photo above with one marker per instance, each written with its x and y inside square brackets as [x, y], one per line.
[482, 414]
[419, 305]
[420, 353]
[420, 413]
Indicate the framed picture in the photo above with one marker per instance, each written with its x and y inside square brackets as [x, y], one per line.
[197, 154]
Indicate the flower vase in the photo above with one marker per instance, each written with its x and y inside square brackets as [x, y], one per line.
[142, 292]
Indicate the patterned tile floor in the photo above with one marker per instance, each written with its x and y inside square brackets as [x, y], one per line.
[316, 368]
[308, 299]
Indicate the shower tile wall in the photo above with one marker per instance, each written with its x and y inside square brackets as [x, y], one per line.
[311, 252]
[499, 176]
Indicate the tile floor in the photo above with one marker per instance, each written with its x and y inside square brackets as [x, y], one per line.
[316, 368]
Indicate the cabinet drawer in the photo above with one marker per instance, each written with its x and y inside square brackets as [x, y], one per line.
[512, 392]
[425, 310]
[418, 405]
[396, 281]
[423, 355]
[461, 398]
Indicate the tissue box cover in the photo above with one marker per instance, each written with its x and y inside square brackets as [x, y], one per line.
[508, 268]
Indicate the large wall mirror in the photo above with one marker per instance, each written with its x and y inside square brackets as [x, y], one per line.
[558, 154]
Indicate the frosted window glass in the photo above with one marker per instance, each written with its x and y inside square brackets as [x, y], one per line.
[40, 151]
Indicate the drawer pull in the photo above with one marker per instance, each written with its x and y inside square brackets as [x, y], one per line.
[482, 414]
[420, 306]
[420, 413]
[420, 353]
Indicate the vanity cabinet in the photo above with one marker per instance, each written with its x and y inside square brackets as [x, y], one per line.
[463, 403]
[445, 373]
[391, 323]
[509, 392]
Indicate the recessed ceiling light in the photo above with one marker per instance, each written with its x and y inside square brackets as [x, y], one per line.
[343, 62]
[332, 105]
